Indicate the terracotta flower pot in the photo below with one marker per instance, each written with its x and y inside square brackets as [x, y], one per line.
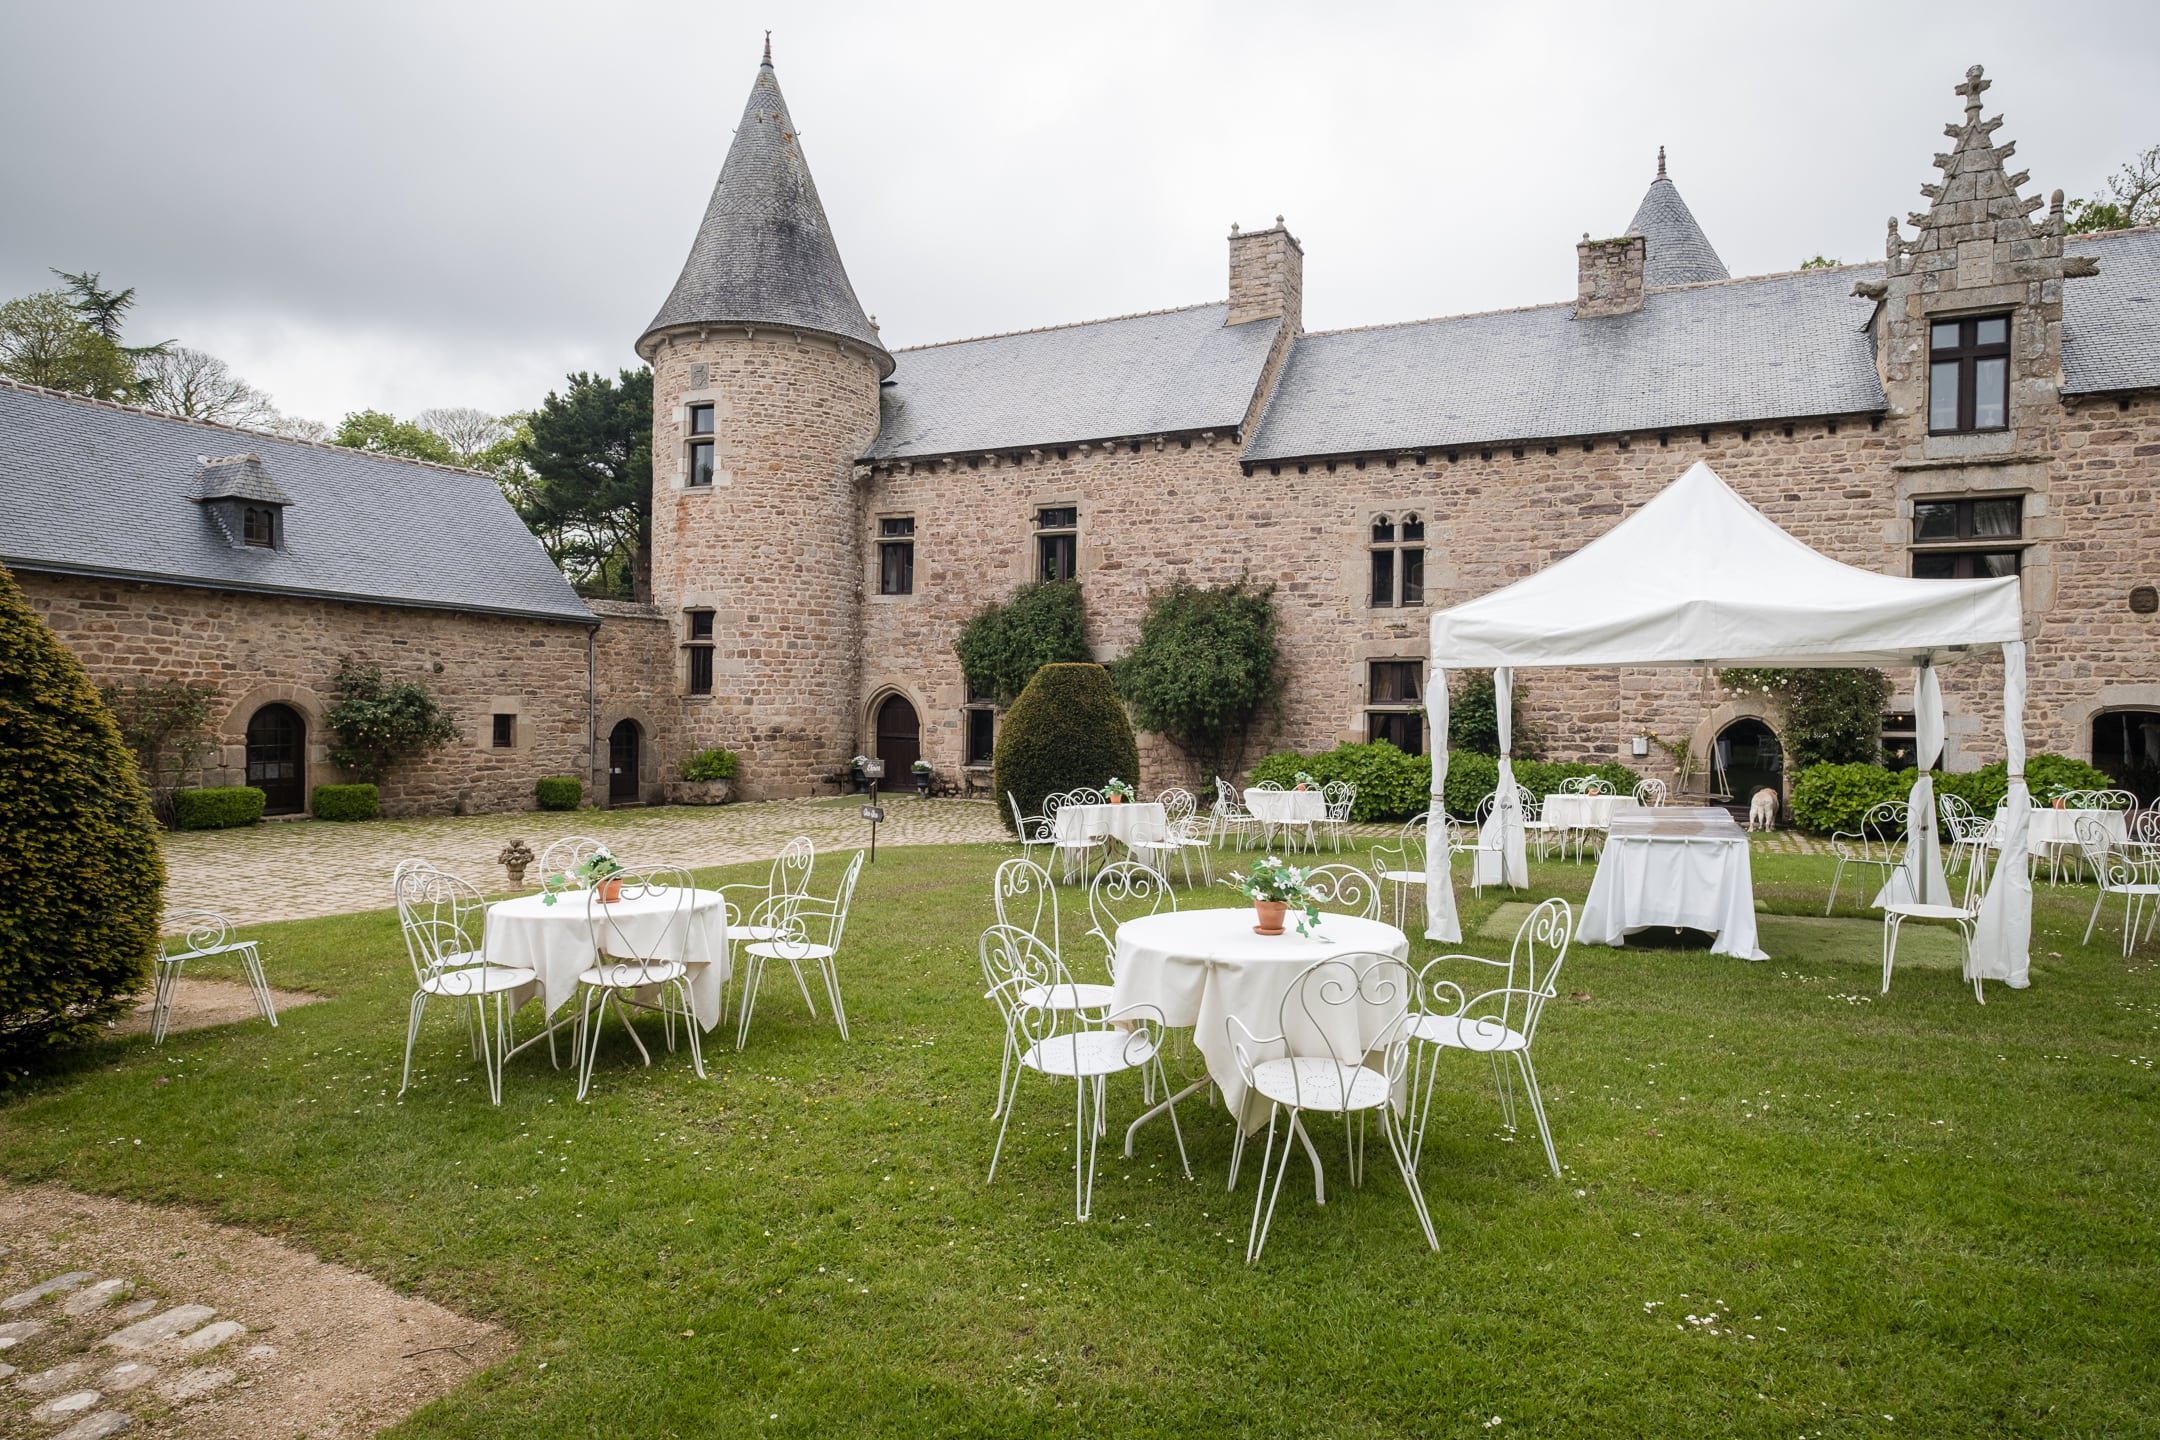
[1271, 914]
[1115, 799]
[610, 891]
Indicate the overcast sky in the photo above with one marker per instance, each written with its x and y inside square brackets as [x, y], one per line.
[452, 203]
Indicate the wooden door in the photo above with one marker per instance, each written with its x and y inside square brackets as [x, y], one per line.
[277, 759]
[899, 740]
[622, 748]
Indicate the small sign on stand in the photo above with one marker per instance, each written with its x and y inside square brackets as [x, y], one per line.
[873, 771]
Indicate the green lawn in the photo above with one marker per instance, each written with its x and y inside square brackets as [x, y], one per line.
[1902, 1215]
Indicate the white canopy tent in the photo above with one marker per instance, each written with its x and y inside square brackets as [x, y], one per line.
[1698, 577]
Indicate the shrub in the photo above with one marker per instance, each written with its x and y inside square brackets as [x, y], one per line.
[1002, 646]
[346, 802]
[166, 723]
[1203, 668]
[559, 792]
[379, 722]
[715, 764]
[1067, 729]
[1830, 798]
[217, 807]
[81, 880]
[1394, 786]
[1474, 716]
[1832, 717]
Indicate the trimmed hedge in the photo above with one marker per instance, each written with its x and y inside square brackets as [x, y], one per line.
[346, 802]
[1394, 786]
[1829, 798]
[81, 880]
[217, 807]
[1067, 729]
[714, 764]
[559, 792]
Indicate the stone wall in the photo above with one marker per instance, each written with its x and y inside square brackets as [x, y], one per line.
[634, 658]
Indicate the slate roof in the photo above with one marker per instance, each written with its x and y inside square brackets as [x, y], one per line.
[2111, 321]
[93, 489]
[765, 252]
[1675, 250]
[1165, 372]
[1774, 347]
[241, 477]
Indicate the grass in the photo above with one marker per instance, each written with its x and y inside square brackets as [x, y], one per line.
[1903, 1215]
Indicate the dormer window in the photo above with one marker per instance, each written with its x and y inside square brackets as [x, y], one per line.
[243, 502]
[258, 526]
[1968, 374]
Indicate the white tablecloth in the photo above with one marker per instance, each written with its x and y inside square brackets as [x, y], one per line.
[1583, 812]
[2059, 827]
[1131, 821]
[555, 941]
[1286, 807]
[1675, 866]
[1200, 967]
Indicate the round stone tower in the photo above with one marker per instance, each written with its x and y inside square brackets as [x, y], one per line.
[765, 393]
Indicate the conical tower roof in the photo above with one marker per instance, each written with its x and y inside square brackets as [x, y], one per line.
[1675, 250]
[765, 252]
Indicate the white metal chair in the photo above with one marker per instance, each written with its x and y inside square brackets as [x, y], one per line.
[1501, 1021]
[1181, 839]
[1877, 845]
[752, 915]
[1345, 889]
[651, 954]
[444, 921]
[1023, 894]
[1963, 916]
[1071, 845]
[1340, 798]
[1400, 867]
[202, 935]
[811, 929]
[1061, 1043]
[560, 859]
[1536, 828]
[1970, 835]
[1231, 816]
[1650, 792]
[1034, 831]
[2129, 870]
[1124, 890]
[1328, 997]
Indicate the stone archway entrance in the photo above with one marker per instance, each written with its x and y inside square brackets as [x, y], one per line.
[277, 758]
[2126, 744]
[1746, 757]
[623, 747]
[899, 738]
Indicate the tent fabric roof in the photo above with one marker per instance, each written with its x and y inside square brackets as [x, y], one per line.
[1698, 576]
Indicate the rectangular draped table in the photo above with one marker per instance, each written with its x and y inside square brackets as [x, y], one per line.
[1679, 866]
[1583, 812]
[1126, 822]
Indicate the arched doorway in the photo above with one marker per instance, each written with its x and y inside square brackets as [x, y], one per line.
[277, 758]
[623, 756]
[2126, 745]
[899, 738]
[1746, 757]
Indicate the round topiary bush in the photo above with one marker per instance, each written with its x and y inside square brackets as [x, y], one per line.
[1067, 729]
[81, 880]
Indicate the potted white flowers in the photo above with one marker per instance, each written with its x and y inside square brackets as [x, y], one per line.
[1273, 888]
[1116, 791]
[922, 778]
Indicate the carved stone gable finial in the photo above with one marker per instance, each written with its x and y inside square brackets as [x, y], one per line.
[1976, 82]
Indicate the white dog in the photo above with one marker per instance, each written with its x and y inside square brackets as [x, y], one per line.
[1762, 810]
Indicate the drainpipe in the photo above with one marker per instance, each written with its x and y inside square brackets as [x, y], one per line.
[592, 700]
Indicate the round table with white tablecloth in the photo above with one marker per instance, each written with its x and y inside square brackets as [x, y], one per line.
[1126, 822]
[555, 941]
[1200, 967]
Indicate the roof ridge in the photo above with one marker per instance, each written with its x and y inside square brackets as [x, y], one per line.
[29, 389]
[2111, 234]
[1063, 325]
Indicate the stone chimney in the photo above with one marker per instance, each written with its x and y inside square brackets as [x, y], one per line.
[1608, 276]
[1267, 277]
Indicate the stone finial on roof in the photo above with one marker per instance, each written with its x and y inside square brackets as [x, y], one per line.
[1661, 162]
[766, 63]
[1976, 83]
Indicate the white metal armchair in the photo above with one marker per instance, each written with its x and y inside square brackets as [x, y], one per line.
[202, 935]
[1875, 845]
[2130, 870]
[1344, 889]
[444, 919]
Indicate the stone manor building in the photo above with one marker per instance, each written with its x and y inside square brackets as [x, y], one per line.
[827, 512]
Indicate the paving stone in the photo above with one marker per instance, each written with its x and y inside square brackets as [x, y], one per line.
[97, 1297]
[262, 1352]
[45, 1382]
[192, 1384]
[97, 1426]
[6, 1370]
[135, 1309]
[67, 1407]
[159, 1327]
[16, 1331]
[53, 1286]
[206, 1339]
[127, 1375]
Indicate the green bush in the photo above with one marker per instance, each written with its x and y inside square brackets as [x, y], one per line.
[715, 764]
[1067, 729]
[1002, 646]
[1203, 669]
[1394, 786]
[1474, 716]
[379, 722]
[559, 792]
[217, 807]
[81, 880]
[345, 802]
[1832, 717]
[1828, 798]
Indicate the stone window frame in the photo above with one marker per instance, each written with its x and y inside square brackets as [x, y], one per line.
[968, 712]
[698, 646]
[1965, 357]
[1388, 545]
[500, 708]
[881, 542]
[1966, 549]
[1372, 709]
[687, 443]
[1038, 532]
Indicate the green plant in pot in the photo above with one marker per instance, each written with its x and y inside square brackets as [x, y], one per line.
[1116, 791]
[596, 872]
[708, 778]
[1274, 888]
[922, 777]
